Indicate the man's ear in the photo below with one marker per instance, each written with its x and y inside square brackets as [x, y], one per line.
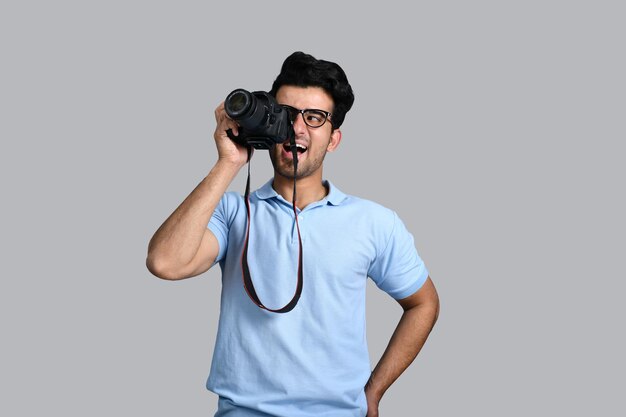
[335, 139]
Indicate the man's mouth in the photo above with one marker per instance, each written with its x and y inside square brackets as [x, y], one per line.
[299, 147]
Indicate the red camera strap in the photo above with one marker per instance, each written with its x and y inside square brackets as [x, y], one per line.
[247, 279]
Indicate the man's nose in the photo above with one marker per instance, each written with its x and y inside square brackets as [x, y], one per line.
[299, 127]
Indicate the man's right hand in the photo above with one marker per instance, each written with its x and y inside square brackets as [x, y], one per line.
[227, 149]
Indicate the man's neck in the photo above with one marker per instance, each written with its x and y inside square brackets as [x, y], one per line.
[308, 190]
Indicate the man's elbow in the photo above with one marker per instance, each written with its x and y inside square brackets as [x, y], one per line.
[431, 303]
[161, 269]
[430, 307]
[436, 308]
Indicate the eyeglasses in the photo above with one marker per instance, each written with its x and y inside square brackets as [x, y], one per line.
[311, 117]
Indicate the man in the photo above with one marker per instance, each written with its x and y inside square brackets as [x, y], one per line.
[313, 360]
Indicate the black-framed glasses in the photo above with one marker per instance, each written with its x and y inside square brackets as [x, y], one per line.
[312, 117]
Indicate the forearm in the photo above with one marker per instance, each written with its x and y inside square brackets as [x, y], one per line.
[406, 342]
[178, 239]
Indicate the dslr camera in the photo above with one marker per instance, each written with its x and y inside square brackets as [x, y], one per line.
[262, 121]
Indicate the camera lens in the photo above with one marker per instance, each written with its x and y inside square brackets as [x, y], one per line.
[238, 103]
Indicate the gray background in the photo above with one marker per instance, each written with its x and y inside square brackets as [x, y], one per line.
[495, 129]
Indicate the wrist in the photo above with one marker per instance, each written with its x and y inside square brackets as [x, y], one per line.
[222, 173]
[231, 164]
[373, 392]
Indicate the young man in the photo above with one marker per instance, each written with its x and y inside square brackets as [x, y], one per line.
[313, 360]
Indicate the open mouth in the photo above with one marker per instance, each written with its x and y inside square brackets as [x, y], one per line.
[300, 148]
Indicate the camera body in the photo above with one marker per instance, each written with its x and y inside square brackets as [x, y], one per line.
[262, 121]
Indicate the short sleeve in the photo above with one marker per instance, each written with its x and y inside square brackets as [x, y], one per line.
[219, 224]
[398, 269]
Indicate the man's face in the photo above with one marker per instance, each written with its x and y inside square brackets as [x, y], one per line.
[315, 142]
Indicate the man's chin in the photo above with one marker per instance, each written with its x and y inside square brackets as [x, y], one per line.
[285, 173]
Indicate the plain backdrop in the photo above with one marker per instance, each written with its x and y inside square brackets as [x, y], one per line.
[494, 128]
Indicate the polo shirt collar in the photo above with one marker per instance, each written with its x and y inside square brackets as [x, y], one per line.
[334, 197]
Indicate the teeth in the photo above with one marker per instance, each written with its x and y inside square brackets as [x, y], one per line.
[300, 148]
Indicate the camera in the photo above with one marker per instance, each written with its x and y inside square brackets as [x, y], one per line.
[262, 121]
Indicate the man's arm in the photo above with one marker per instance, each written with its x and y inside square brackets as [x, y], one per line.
[420, 314]
[183, 246]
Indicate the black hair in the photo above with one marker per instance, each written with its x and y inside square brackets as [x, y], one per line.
[303, 70]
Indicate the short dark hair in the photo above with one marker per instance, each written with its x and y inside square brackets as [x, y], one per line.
[303, 70]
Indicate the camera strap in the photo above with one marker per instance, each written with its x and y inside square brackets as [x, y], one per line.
[247, 279]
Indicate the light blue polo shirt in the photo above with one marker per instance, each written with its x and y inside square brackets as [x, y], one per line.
[313, 360]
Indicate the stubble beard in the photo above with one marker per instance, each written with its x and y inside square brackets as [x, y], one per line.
[305, 168]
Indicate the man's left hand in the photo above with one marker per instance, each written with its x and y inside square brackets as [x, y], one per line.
[372, 404]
